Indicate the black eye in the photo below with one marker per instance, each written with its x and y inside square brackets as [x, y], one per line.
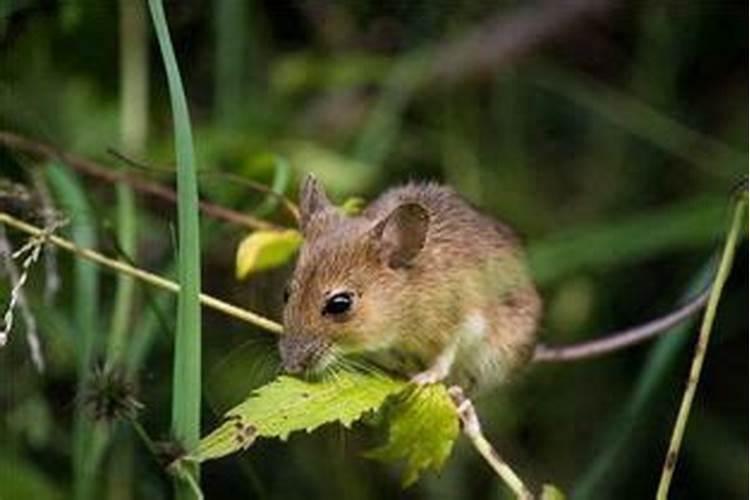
[285, 297]
[338, 304]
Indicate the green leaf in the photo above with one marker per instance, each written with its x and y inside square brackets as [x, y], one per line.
[352, 206]
[289, 404]
[265, 249]
[337, 172]
[552, 492]
[423, 428]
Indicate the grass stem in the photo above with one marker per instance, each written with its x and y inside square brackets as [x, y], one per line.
[725, 265]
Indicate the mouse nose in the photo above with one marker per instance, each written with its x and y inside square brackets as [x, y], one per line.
[299, 352]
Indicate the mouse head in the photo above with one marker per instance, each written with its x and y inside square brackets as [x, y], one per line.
[346, 293]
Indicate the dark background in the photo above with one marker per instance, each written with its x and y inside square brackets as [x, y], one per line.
[608, 134]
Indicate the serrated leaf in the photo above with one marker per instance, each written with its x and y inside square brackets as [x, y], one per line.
[423, 426]
[289, 404]
[266, 249]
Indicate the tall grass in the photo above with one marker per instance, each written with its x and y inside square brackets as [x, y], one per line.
[87, 441]
[186, 394]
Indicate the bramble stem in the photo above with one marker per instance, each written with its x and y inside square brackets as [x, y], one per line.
[700, 349]
[473, 430]
[140, 274]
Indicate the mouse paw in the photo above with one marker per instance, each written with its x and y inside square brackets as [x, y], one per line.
[431, 376]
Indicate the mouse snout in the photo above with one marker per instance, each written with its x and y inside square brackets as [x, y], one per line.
[300, 353]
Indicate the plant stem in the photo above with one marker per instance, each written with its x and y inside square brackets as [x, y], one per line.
[725, 266]
[624, 338]
[473, 430]
[87, 167]
[140, 274]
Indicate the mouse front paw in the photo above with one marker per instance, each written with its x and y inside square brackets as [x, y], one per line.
[431, 376]
[439, 370]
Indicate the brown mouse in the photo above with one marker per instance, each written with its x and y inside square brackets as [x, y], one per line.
[420, 284]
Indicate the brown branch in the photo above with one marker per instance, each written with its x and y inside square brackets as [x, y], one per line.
[288, 204]
[94, 169]
[623, 338]
[507, 37]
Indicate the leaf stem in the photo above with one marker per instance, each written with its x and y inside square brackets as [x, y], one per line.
[140, 274]
[700, 349]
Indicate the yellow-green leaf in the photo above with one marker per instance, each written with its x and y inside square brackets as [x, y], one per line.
[423, 425]
[352, 206]
[289, 404]
[552, 492]
[266, 249]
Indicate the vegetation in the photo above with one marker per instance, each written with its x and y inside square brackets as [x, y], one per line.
[612, 136]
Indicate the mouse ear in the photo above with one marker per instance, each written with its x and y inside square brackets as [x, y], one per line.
[402, 233]
[312, 199]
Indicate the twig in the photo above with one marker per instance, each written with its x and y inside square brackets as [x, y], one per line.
[725, 266]
[288, 204]
[508, 37]
[624, 338]
[473, 430]
[145, 276]
[89, 167]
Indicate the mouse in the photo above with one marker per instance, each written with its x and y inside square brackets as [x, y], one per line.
[420, 284]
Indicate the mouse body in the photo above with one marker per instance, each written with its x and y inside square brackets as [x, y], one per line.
[420, 284]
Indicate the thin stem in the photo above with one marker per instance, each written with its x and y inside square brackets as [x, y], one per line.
[624, 338]
[94, 169]
[725, 266]
[288, 204]
[473, 431]
[140, 274]
[147, 441]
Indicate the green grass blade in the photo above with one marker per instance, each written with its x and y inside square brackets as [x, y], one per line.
[82, 231]
[234, 55]
[186, 396]
[133, 130]
[127, 239]
[86, 438]
[645, 123]
[692, 223]
[385, 121]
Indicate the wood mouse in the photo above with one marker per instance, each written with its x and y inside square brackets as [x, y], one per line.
[420, 284]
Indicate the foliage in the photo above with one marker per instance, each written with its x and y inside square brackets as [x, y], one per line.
[423, 425]
[609, 144]
[265, 249]
[186, 393]
[290, 404]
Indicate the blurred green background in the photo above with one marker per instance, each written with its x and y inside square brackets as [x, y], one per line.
[608, 134]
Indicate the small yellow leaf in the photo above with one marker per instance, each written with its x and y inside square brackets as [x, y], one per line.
[552, 492]
[266, 249]
[352, 206]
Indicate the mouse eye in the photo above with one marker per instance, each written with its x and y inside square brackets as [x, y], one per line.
[338, 303]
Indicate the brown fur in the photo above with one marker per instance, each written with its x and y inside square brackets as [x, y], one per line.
[422, 265]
